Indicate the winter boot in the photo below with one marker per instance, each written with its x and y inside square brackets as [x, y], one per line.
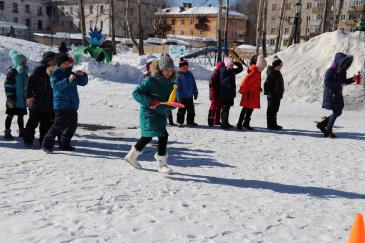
[193, 124]
[7, 135]
[47, 150]
[67, 148]
[240, 120]
[210, 119]
[132, 156]
[322, 125]
[162, 164]
[329, 134]
[21, 133]
[247, 124]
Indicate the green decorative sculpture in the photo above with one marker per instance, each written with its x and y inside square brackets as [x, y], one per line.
[360, 26]
[95, 39]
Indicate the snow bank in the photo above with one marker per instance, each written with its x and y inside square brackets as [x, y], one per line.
[305, 65]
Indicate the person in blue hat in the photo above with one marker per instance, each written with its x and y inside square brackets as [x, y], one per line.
[15, 90]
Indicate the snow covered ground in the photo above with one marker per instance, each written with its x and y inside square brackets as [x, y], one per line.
[229, 186]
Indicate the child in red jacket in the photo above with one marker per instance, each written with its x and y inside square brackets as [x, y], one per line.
[250, 89]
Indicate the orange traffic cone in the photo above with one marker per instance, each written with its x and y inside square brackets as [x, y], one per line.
[358, 230]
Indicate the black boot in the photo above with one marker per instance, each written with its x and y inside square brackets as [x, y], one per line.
[225, 124]
[21, 133]
[322, 125]
[247, 124]
[241, 119]
[329, 134]
[7, 135]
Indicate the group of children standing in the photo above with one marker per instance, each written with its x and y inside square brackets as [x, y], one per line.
[50, 94]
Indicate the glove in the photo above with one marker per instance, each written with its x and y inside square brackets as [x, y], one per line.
[154, 104]
[195, 96]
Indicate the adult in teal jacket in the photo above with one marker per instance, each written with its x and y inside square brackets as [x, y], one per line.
[15, 90]
[154, 89]
[66, 103]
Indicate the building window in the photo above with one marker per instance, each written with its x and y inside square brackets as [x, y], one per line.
[274, 7]
[201, 32]
[102, 9]
[286, 42]
[40, 25]
[286, 31]
[309, 5]
[273, 31]
[191, 21]
[182, 21]
[2, 6]
[15, 7]
[192, 32]
[27, 22]
[40, 12]
[307, 30]
[15, 20]
[173, 32]
[288, 6]
[27, 8]
[91, 9]
[308, 18]
[173, 22]
[182, 32]
[271, 42]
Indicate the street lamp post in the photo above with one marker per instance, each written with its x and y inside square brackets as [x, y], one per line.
[297, 21]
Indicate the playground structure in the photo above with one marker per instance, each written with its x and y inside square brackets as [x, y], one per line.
[208, 55]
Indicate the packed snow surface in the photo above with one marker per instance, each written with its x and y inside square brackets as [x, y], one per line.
[229, 186]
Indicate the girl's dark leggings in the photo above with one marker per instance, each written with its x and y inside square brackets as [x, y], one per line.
[9, 119]
[162, 144]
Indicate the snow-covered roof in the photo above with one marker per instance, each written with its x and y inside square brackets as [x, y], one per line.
[197, 11]
[4, 24]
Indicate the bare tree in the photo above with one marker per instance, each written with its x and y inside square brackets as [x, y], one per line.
[140, 28]
[82, 20]
[281, 24]
[264, 25]
[114, 49]
[259, 25]
[338, 14]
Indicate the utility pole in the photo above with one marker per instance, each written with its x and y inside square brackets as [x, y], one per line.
[280, 33]
[219, 33]
[82, 19]
[226, 29]
[114, 50]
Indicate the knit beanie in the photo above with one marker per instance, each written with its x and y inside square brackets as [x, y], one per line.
[228, 61]
[16, 58]
[166, 62]
[276, 61]
[183, 63]
[61, 58]
[47, 56]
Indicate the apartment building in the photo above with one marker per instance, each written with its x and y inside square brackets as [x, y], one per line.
[192, 21]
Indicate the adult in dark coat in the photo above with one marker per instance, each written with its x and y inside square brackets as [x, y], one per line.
[274, 89]
[335, 80]
[228, 88]
[40, 100]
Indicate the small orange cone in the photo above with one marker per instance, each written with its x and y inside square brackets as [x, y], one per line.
[358, 230]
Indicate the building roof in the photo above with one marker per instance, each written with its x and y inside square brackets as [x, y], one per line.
[197, 11]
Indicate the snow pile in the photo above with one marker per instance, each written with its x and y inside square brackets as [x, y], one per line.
[305, 66]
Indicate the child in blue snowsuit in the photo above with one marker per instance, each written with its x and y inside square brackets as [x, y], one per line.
[65, 103]
[187, 91]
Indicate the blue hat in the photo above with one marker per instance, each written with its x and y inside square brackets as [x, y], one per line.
[16, 57]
